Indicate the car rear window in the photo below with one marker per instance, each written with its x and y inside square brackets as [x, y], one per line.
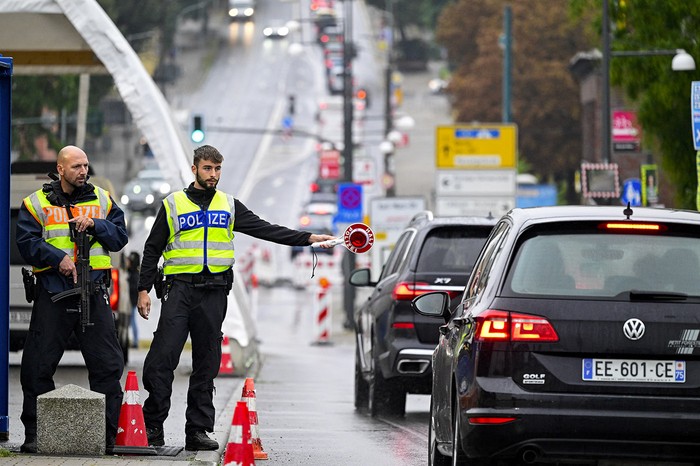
[604, 264]
[451, 249]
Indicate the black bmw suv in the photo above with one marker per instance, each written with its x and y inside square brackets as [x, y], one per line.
[394, 343]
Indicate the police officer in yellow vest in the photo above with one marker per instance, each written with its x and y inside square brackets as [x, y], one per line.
[43, 239]
[193, 231]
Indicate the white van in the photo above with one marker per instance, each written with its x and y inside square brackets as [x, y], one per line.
[22, 184]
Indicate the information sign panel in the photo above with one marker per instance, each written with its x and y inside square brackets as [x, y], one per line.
[476, 146]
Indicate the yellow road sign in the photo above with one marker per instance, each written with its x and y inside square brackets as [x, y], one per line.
[476, 146]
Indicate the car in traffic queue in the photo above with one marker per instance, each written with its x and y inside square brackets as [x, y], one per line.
[241, 10]
[575, 340]
[394, 344]
[276, 30]
[146, 192]
[27, 177]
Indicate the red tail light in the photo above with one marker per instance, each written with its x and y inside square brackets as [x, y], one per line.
[406, 291]
[509, 326]
[491, 420]
[114, 295]
[632, 226]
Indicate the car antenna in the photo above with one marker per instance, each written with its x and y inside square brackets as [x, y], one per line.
[628, 211]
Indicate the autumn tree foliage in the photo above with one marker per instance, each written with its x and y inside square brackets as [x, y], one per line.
[545, 97]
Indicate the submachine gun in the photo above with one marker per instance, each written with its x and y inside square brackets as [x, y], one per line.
[85, 287]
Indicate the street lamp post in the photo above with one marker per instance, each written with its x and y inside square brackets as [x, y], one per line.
[682, 61]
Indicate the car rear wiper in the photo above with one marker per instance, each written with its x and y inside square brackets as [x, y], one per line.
[637, 295]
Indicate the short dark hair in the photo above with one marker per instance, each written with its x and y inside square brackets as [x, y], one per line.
[207, 152]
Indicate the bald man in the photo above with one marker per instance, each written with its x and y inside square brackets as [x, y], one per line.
[44, 241]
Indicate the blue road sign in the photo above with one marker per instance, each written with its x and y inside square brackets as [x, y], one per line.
[695, 113]
[632, 192]
[349, 203]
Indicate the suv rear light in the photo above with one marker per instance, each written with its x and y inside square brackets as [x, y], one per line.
[406, 291]
[509, 326]
[114, 295]
[491, 420]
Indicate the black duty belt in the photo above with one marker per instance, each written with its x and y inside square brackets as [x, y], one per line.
[201, 280]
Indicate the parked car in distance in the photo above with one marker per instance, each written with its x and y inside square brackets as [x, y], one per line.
[394, 343]
[146, 191]
[574, 340]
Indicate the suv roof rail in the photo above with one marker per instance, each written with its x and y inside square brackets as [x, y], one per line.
[422, 216]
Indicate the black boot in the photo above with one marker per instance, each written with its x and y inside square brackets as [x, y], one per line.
[155, 436]
[200, 441]
[29, 445]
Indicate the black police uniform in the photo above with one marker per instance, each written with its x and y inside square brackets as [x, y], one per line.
[194, 304]
[51, 324]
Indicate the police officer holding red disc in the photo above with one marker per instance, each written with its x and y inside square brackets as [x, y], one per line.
[193, 232]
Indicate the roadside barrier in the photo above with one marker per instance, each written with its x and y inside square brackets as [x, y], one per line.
[322, 312]
[131, 431]
[239, 450]
[248, 396]
[226, 365]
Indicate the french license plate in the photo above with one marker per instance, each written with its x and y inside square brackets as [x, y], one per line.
[631, 370]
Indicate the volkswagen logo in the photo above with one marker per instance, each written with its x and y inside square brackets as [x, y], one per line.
[633, 329]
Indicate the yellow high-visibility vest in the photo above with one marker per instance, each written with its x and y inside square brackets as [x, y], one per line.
[199, 237]
[54, 222]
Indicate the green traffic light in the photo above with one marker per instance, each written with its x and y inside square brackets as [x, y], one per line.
[197, 135]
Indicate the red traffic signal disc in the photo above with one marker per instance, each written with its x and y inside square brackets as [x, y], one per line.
[358, 238]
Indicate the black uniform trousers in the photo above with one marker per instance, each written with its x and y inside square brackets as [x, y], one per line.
[199, 311]
[49, 331]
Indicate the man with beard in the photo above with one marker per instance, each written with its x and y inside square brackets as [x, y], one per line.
[46, 218]
[193, 231]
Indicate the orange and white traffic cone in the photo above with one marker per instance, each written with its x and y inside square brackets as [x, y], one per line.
[131, 432]
[226, 366]
[239, 450]
[249, 398]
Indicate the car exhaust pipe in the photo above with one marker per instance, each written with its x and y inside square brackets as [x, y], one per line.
[408, 366]
[530, 455]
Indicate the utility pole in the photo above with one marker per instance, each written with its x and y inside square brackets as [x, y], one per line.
[388, 110]
[347, 92]
[348, 257]
[507, 64]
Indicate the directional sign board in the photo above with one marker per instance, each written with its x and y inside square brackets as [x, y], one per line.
[476, 146]
[473, 206]
[695, 113]
[475, 182]
[349, 203]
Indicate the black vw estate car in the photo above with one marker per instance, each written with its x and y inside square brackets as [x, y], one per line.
[575, 340]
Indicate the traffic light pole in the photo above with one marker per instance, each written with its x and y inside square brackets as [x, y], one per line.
[347, 92]
[349, 258]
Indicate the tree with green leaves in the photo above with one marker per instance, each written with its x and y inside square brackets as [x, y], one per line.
[34, 96]
[545, 98]
[661, 95]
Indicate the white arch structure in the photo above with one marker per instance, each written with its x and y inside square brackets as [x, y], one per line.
[77, 37]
